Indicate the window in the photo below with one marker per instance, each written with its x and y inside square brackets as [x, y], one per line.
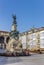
[41, 34]
[34, 35]
[42, 43]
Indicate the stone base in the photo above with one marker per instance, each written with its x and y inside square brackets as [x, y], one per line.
[10, 54]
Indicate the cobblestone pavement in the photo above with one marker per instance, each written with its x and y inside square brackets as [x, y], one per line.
[34, 59]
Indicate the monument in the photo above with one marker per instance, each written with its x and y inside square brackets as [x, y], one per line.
[14, 44]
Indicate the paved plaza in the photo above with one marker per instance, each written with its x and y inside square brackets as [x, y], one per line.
[34, 59]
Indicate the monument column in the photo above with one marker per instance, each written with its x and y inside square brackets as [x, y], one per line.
[14, 43]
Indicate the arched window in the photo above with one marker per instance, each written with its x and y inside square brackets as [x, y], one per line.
[1, 39]
[7, 39]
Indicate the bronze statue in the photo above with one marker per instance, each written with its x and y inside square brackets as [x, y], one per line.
[14, 19]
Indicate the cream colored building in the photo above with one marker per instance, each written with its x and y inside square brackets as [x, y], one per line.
[32, 39]
[4, 37]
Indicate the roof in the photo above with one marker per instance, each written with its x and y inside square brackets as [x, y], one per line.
[4, 31]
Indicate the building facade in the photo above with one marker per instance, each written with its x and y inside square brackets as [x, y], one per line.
[32, 39]
[4, 38]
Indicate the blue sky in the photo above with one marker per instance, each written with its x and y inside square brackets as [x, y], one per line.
[28, 12]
